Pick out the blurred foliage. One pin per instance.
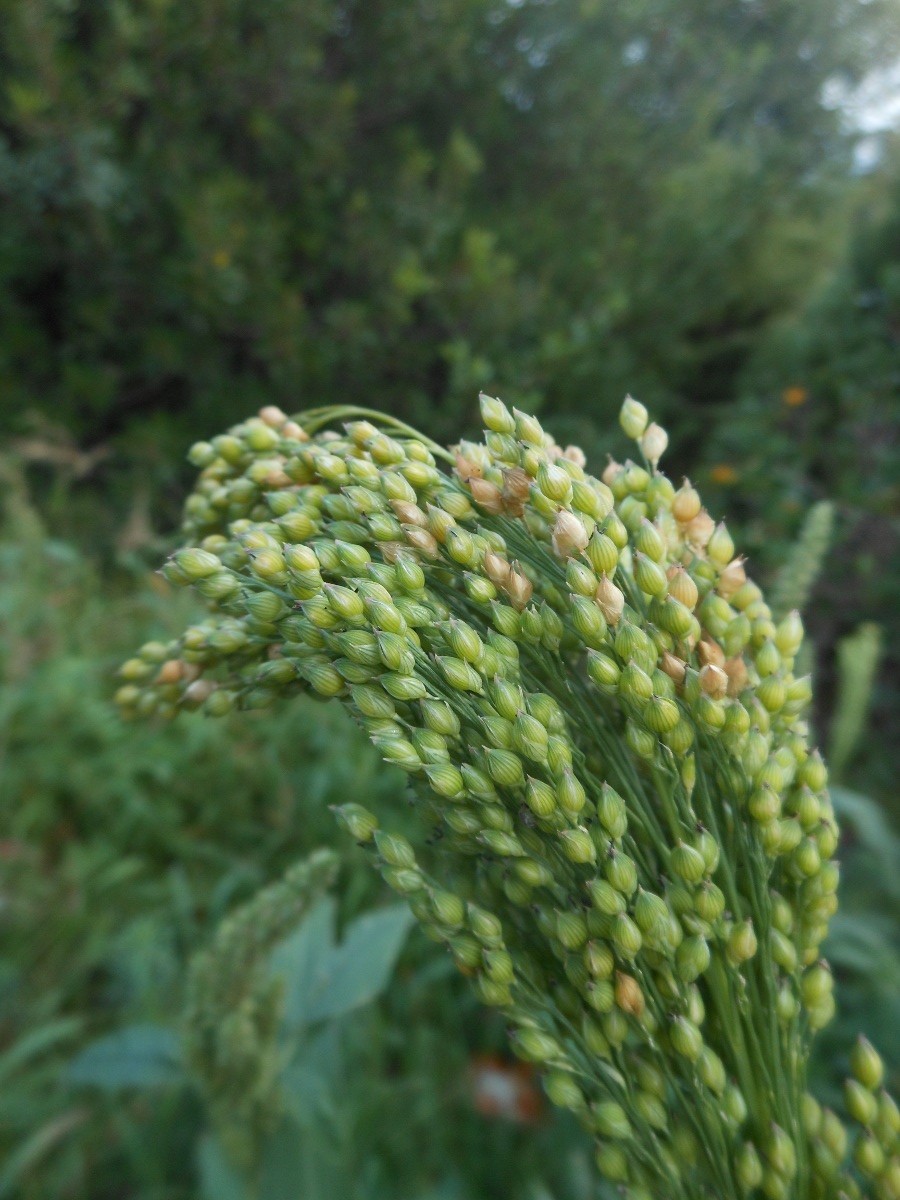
(215, 205)
(818, 418)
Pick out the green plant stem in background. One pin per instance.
(795, 580)
(233, 1009)
(858, 655)
(629, 838)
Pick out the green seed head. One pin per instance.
(403, 687)
(692, 958)
(478, 783)
(530, 737)
(358, 821)
(395, 849)
(866, 1064)
(784, 952)
(626, 936)
(459, 674)
(734, 1105)
(621, 873)
(554, 483)
(440, 717)
(633, 418)
(507, 845)
(603, 672)
(536, 1046)
(588, 620)
(789, 634)
(868, 1155)
(580, 579)
(635, 684)
(712, 1070)
(686, 1039)
(813, 773)
(817, 983)
(599, 959)
(564, 1091)
(650, 911)
(578, 846)
(605, 898)
(709, 902)
(748, 1168)
(496, 415)
(649, 575)
(649, 541)
(504, 767)
(506, 697)
(602, 553)
(687, 863)
(486, 927)
(540, 798)
(661, 715)
(196, 564)
(571, 929)
(742, 943)
(570, 794)
(611, 811)
(781, 1153)
(772, 694)
(446, 780)
(611, 1121)
(612, 1162)
(767, 660)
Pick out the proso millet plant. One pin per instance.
(630, 843)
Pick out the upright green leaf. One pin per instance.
(139, 1056)
(359, 968)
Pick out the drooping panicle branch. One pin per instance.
(631, 848)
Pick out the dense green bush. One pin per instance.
(216, 205)
(818, 416)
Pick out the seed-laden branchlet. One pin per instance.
(630, 844)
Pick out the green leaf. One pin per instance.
(359, 969)
(35, 1042)
(311, 1080)
(302, 1164)
(218, 1179)
(37, 1147)
(303, 960)
(325, 981)
(139, 1056)
(874, 834)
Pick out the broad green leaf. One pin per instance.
(873, 831)
(311, 1080)
(303, 1165)
(35, 1042)
(37, 1147)
(359, 968)
(303, 959)
(218, 1179)
(138, 1056)
(325, 981)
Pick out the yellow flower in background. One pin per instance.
(793, 397)
(724, 473)
(222, 259)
